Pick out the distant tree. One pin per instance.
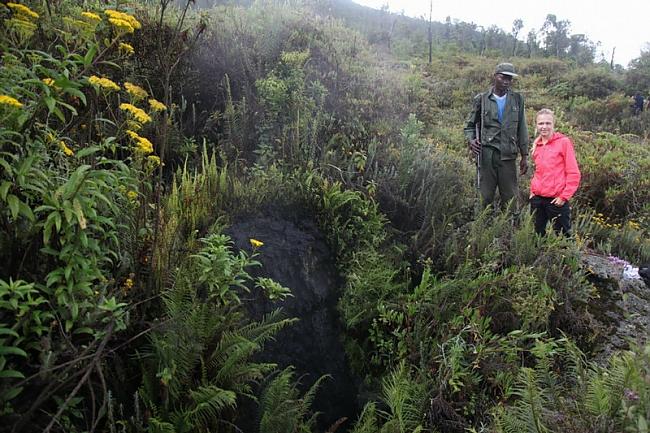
(556, 36)
(466, 36)
(517, 25)
(448, 28)
(494, 38)
(532, 44)
(637, 77)
(581, 49)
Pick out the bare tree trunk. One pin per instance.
(430, 32)
(611, 63)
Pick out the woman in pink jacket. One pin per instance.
(556, 176)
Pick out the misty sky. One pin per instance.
(624, 24)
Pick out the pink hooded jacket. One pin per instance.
(556, 169)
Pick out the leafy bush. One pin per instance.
(200, 362)
(73, 169)
(589, 83)
(551, 69)
(600, 114)
(580, 397)
(614, 175)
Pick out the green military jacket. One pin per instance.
(510, 136)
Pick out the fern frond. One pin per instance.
(404, 397)
(529, 409)
(209, 402)
(156, 426)
(282, 408)
(231, 357)
(367, 422)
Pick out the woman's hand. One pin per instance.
(558, 201)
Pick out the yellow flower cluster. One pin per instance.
(132, 195)
(23, 20)
(128, 284)
(10, 101)
(600, 220)
(121, 21)
(143, 145)
(136, 112)
(121, 25)
(255, 243)
(156, 105)
(136, 92)
(104, 83)
(48, 82)
(23, 11)
(153, 161)
(65, 148)
(126, 49)
(93, 18)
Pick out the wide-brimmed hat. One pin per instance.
(506, 69)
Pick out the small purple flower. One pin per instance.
(617, 260)
(630, 395)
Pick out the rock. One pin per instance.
(297, 257)
(623, 305)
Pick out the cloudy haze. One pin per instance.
(624, 24)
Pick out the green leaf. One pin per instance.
(57, 221)
(83, 238)
(52, 278)
(75, 310)
(58, 113)
(69, 107)
(50, 102)
(75, 180)
(67, 272)
(77, 93)
(7, 167)
(8, 350)
(7, 331)
(11, 393)
(4, 188)
(90, 55)
(11, 374)
(86, 151)
(47, 233)
(26, 211)
(14, 205)
(642, 424)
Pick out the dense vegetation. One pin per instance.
(131, 137)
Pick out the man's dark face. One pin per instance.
(502, 83)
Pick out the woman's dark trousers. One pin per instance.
(544, 212)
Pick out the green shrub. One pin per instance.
(200, 363)
(589, 83)
(580, 397)
(550, 69)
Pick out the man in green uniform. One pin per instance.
(496, 131)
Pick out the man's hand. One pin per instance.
(475, 146)
(523, 166)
